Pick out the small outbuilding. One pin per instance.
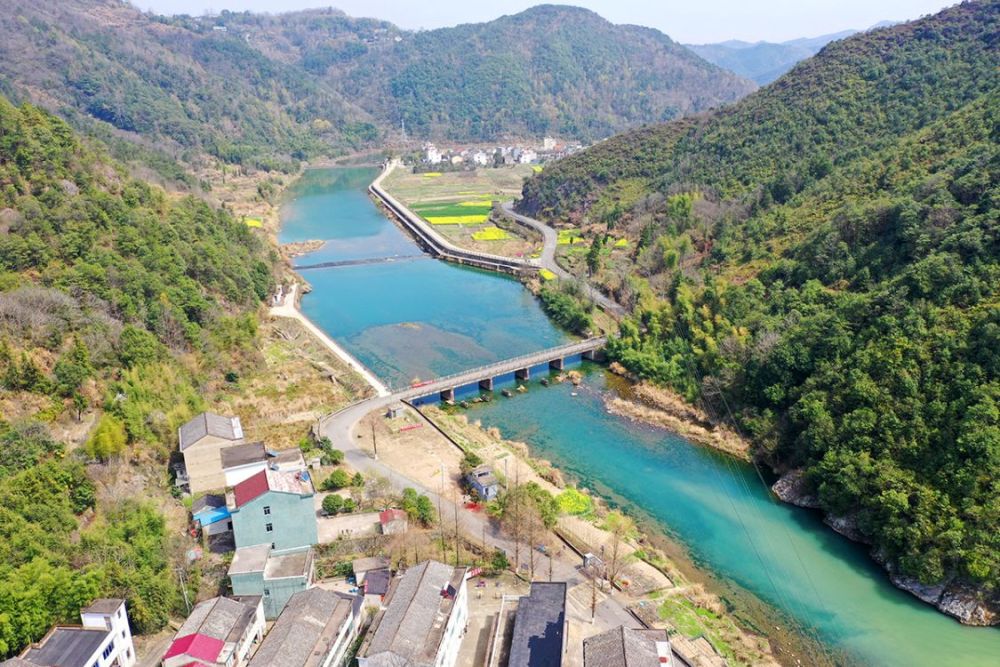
(393, 521)
(483, 482)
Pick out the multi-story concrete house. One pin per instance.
(316, 629)
(257, 570)
(220, 632)
(423, 621)
(103, 639)
(274, 507)
(201, 441)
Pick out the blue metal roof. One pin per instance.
(211, 515)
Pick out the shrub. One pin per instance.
(108, 439)
(333, 504)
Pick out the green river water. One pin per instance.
(416, 318)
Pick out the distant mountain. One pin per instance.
(167, 87)
(820, 263)
(548, 70)
(763, 62)
(266, 91)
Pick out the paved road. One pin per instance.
(550, 242)
(341, 429)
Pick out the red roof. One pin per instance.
(386, 516)
(198, 646)
(250, 488)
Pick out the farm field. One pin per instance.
(460, 205)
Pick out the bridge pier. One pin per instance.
(557, 364)
(448, 395)
(590, 355)
(486, 385)
(523, 374)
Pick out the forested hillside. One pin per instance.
(267, 91)
(529, 74)
(171, 88)
(823, 258)
(115, 302)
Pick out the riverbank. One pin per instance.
(663, 408)
(664, 587)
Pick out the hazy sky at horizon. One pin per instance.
(685, 21)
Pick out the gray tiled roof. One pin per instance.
(241, 455)
(413, 622)
(623, 647)
(66, 647)
(208, 501)
(539, 626)
(17, 662)
(208, 423)
(306, 629)
(221, 618)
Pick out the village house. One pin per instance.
(364, 567)
(274, 507)
(539, 638)
(625, 647)
(393, 521)
(423, 621)
(103, 639)
(219, 632)
(241, 462)
(431, 154)
(259, 571)
(483, 482)
(316, 629)
(201, 441)
(482, 159)
(211, 514)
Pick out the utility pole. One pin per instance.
(593, 594)
(374, 443)
(440, 516)
(456, 526)
(550, 567)
(180, 576)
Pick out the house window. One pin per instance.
(123, 634)
(108, 650)
(267, 510)
(268, 527)
(267, 592)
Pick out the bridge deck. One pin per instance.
(505, 367)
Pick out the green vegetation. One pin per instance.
(418, 507)
(572, 501)
(119, 300)
(829, 272)
(564, 302)
(338, 479)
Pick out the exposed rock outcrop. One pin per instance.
(793, 488)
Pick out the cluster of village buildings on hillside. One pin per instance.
(278, 615)
(498, 156)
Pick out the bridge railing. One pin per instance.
(518, 362)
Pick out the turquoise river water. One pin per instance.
(416, 318)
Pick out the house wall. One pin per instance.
(237, 474)
(118, 631)
(345, 637)
(292, 518)
(274, 593)
(204, 463)
(253, 636)
(452, 640)
(224, 526)
(277, 592)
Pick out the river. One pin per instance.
(418, 317)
